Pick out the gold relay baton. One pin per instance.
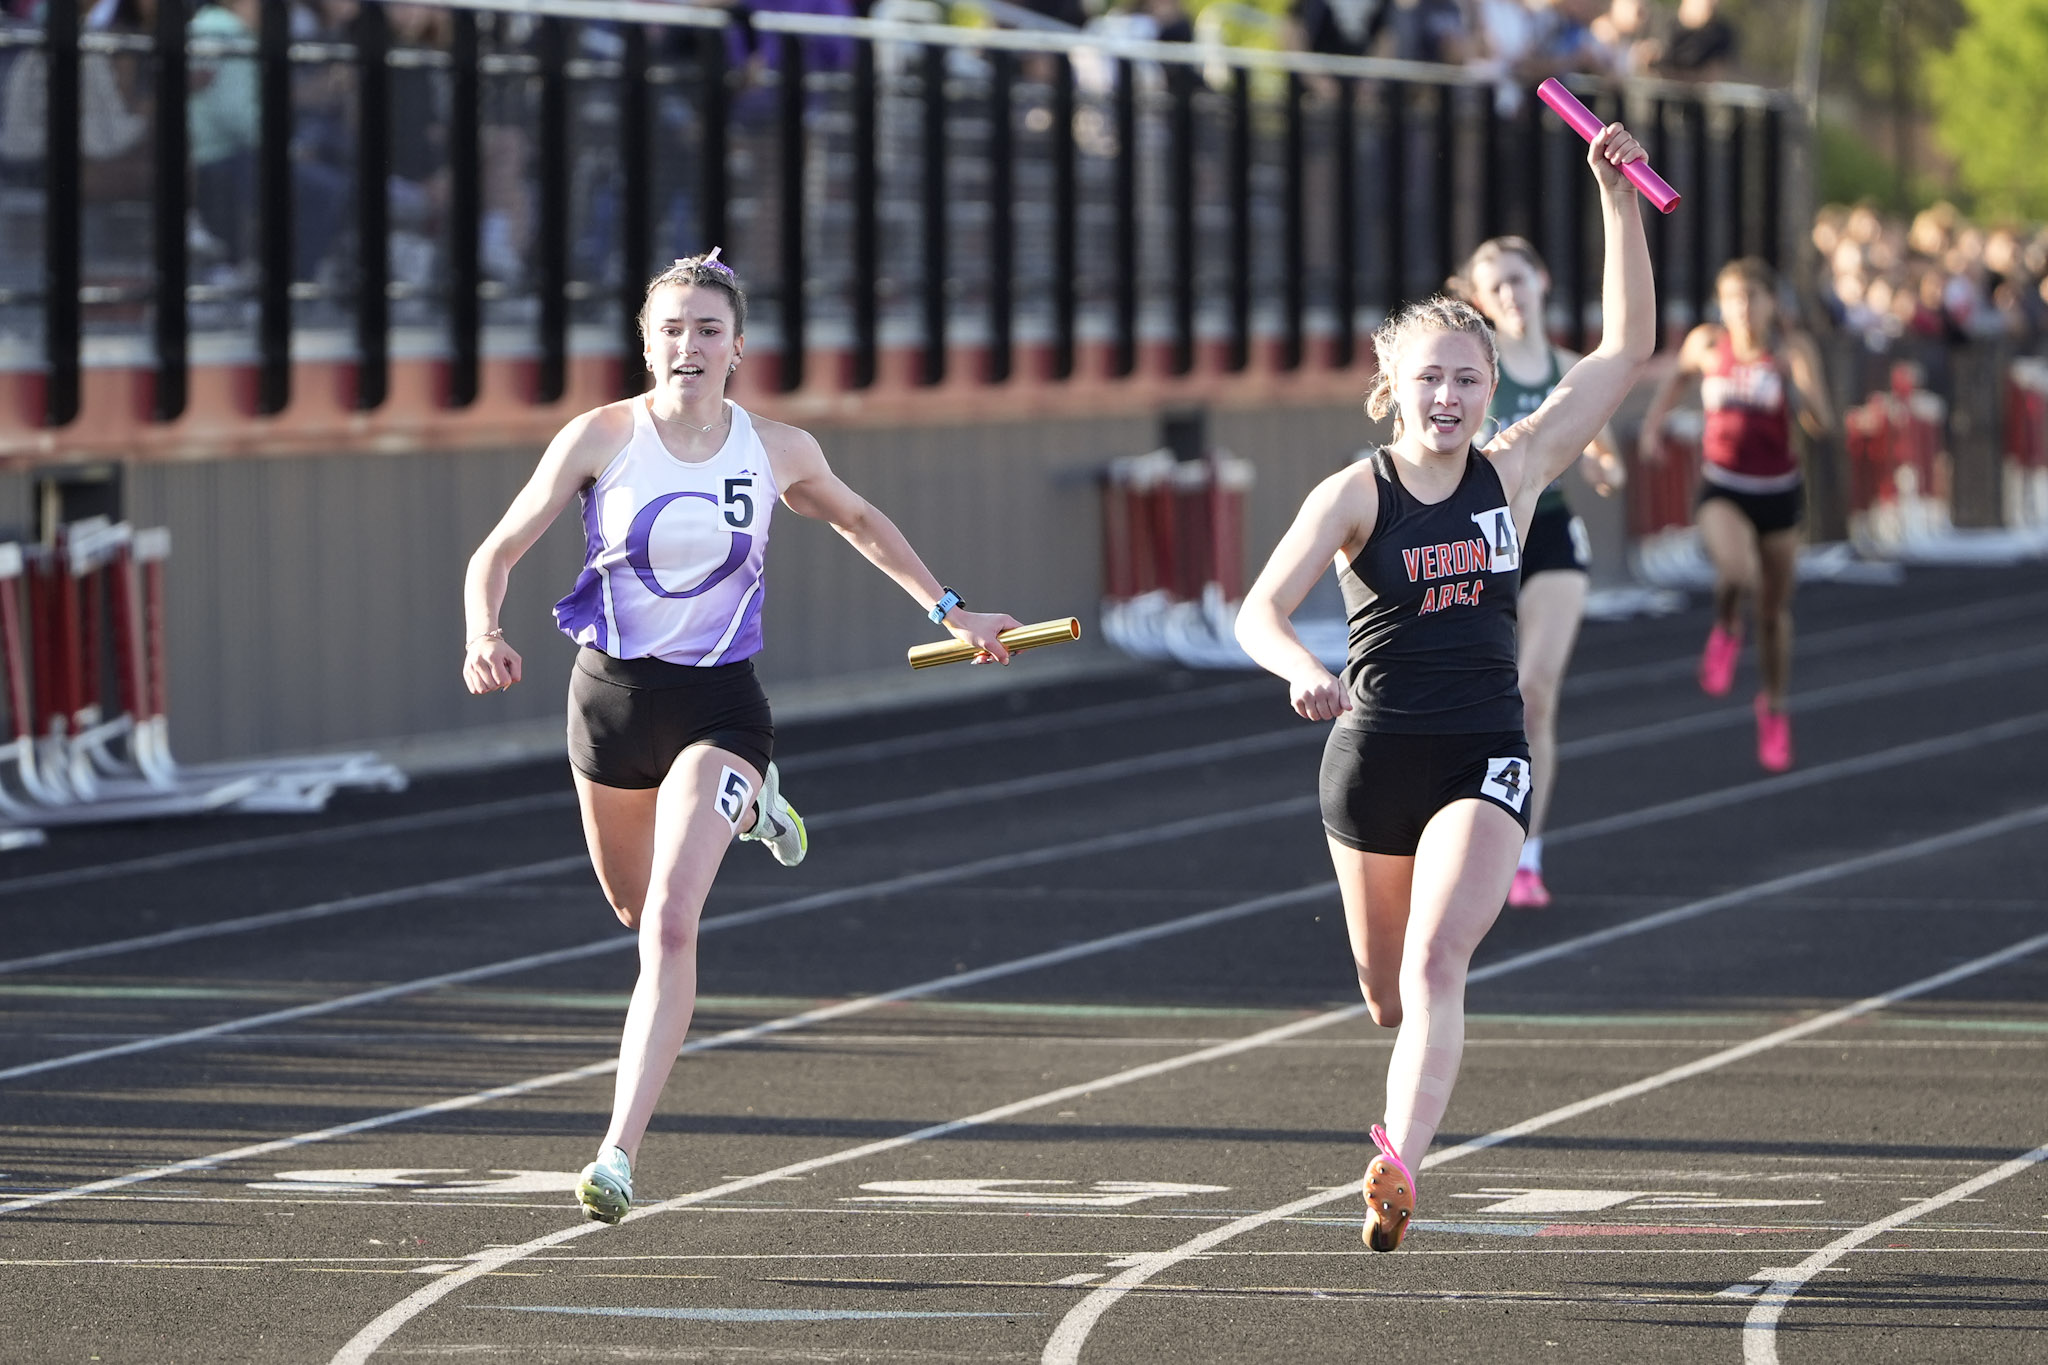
(1015, 638)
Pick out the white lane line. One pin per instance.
(1805, 703)
(1064, 1348)
(1003, 789)
(1263, 742)
(820, 761)
(2002, 611)
(360, 1347)
(621, 942)
(1919, 750)
(1584, 683)
(1760, 1330)
(378, 1331)
(1632, 820)
(823, 1014)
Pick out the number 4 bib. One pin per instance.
(1497, 528)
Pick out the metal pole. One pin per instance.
(935, 225)
(1294, 243)
(866, 241)
(63, 323)
(1344, 291)
(373, 209)
(173, 203)
(1124, 231)
(552, 239)
(636, 206)
(274, 206)
(792, 216)
(465, 212)
(1002, 196)
(1065, 249)
(1181, 90)
(1240, 217)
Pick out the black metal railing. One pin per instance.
(502, 178)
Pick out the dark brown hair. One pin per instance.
(701, 270)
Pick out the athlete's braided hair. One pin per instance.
(1434, 314)
(701, 270)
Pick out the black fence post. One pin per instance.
(936, 265)
(1444, 146)
(636, 206)
(465, 213)
(1344, 288)
(1490, 167)
(791, 223)
(1065, 247)
(1658, 145)
(866, 241)
(551, 244)
(1180, 86)
(1697, 228)
(1240, 172)
(1736, 154)
(63, 323)
(172, 203)
(373, 209)
(1124, 229)
(1002, 228)
(1773, 186)
(1394, 192)
(274, 209)
(1293, 233)
(712, 188)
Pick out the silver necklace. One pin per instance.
(723, 417)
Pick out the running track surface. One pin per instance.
(1764, 1084)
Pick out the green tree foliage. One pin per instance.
(1991, 104)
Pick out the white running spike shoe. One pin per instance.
(777, 824)
(606, 1187)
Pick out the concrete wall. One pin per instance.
(315, 601)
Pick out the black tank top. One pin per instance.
(1431, 602)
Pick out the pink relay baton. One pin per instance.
(1587, 125)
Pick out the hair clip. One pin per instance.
(708, 261)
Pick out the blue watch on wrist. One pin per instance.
(948, 599)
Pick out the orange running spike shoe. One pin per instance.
(1389, 1196)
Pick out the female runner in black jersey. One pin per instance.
(1425, 780)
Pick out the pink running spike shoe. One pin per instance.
(1773, 736)
(1389, 1196)
(1717, 661)
(1528, 891)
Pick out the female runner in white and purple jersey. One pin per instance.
(670, 736)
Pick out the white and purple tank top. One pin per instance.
(672, 568)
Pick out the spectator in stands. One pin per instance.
(1344, 28)
(1627, 37)
(1427, 31)
(1703, 47)
(224, 119)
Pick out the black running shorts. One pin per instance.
(630, 718)
(1556, 541)
(1378, 790)
(1767, 512)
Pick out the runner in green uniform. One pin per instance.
(1506, 280)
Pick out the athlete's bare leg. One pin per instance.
(1730, 542)
(1779, 575)
(1375, 887)
(1462, 869)
(686, 838)
(1548, 610)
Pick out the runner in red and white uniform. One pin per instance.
(1756, 374)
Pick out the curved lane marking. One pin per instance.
(1760, 1330)
(1064, 1347)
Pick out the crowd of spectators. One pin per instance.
(1934, 276)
